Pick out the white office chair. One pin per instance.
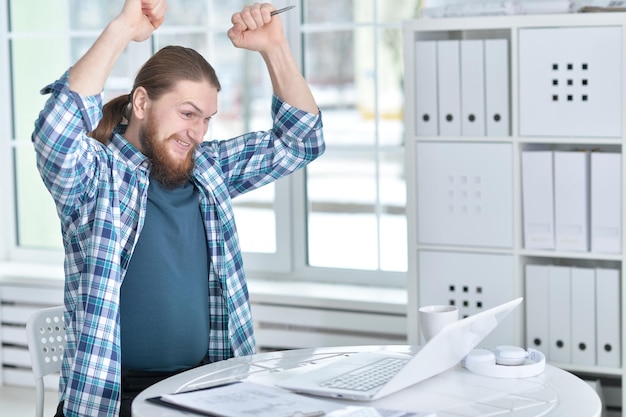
(45, 331)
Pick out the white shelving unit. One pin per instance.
(558, 83)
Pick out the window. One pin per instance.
(343, 214)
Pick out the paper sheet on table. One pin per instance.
(249, 399)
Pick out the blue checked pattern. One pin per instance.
(100, 194)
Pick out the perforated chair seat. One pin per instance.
(45, 331)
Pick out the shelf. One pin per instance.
(564, 91)
(571, 255)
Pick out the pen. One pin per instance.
(284, 9)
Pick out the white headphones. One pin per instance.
(505, 362)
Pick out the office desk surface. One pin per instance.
(454, 393)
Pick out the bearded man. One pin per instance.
(154, 280)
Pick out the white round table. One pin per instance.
(454, 393)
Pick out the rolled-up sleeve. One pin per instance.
(65, 154)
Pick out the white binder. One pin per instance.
(559, 314)
(571, 200)
(538, 199)
(472, 88)
(426, 114)
(608, 318)
(449, 85)
(497, 87)
(536, 307)
(606, 202)
(583, 316)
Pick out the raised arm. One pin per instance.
(256, 30)
(136, 22)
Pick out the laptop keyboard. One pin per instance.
(367, 377)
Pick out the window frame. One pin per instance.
(7, 210)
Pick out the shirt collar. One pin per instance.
(128, 151)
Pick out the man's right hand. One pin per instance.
(143, 17)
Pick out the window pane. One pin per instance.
(345, 96)
(396, 11)
(48, 16)
(186, 13)
(342, 224)
(256, 220)
(357, 211)
(37, 223)
(366, 76)
(335, 11)
(93, 14)
(390, 95)
(29, 79)
(221, 11)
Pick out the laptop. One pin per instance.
(441, 353)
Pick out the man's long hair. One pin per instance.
(158, 76)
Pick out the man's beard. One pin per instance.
(170, 172)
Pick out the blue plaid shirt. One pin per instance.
(100, 194)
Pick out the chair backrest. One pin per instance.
(46, 340)
(45, 332)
